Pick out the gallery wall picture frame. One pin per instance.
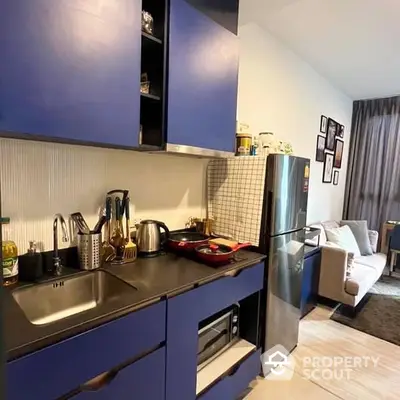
(332, 127)
(328, 168)
(323, 124)
(340, 132)
(319, 154)
(339, 145)
(336, 178)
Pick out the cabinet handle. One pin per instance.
(99, 381)
(234, 370)
(234, 273)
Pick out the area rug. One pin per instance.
(380, 314)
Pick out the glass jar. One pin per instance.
(266, 143)
(147, 22)
(9, 255)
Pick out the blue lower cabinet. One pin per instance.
(235, 383)
(55, 370)
(144, 379)
(184, 314)
(310, 282)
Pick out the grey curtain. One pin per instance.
(373, 176)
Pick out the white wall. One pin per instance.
(39, 180)
(280, 93)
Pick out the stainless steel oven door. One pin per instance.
(215, 338)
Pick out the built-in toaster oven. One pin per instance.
(216, 334)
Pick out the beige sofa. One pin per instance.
(335, 282)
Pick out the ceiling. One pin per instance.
(353, 43)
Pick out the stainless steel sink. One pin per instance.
(52, 301)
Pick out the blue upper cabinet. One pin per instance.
(70, 69)
(203, 75)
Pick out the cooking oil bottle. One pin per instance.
(9, 255)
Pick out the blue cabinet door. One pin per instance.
(203, 79)
(70, 69)
(144, 379)
(236, 382)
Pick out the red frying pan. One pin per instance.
(186, 241)
(218, 254)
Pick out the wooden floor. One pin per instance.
(319, 337)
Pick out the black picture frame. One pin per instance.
(320, 149)
(340, 132)
(339, 145)
(331, 131)
(336, 178)
(328, 168)
(323, 124)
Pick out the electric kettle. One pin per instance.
(148, 237)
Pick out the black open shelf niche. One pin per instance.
(153, 63)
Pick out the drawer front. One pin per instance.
(65, 365)
(233, 385)
(144, 379)
(228, 290)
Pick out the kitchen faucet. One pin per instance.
(57, 267)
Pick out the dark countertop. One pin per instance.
(155, 278)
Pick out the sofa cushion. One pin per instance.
(373, 239)
(330, 224)
(361, 280)
(376, 261)
(360, 232)
(344, 238)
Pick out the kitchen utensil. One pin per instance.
(89, 250)
(80, 223)
(100, 223)
(124, 194)
(108, 251)
(218, 254)
(130, 251)
(186, 240)
(117, 239)
(148, 237)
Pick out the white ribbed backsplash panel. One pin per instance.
(39, 180)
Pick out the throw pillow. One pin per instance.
(330, 224)
(344, 238)
(350, 264)
(360, 232)
(373, 239)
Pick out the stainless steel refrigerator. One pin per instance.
(282, 239)
(264, 201)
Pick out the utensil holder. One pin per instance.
(89, 251)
